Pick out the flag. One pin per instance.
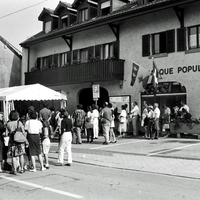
(155, 75)
(135, 68)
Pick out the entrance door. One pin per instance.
(86, 98)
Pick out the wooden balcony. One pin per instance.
(103, 70)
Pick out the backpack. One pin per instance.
(79, 118)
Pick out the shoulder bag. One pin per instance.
(19, 137)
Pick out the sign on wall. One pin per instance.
(95, 91)
(118, 101)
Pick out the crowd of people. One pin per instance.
(38, 128)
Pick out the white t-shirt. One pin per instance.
(157, 113)
(33, 126)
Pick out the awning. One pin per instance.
(34, 92)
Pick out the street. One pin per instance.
(95, 175)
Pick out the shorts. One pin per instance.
(157, 125)
(46, 145)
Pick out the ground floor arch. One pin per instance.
(85, 97)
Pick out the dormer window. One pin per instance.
(64, 21)
(83, 15)
(47, 26)
(105, 8)
(54, 22)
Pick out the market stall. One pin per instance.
(34, 92)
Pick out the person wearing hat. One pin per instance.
(150, 125)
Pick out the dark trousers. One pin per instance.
(90, 134)
(5, 152)
(150, 129)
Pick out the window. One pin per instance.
(105, 8)
(163, 42)
(194, 37)
(83, 15)
(83, 55)
(47, 26)
(64, 21)
(63, 59)
(159, 43)
(107, 51)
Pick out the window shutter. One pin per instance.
(75, 54)
(181, 39)
(145, 45)
(98, 51)
(69, 53)
(170, 41)
(116, 49)
(38, 63)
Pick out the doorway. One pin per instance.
(86, 97)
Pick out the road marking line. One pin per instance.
(173, 149)
(113, 145)
(43, 187)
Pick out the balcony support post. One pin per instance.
(180, 14)
(68, 40)
(115, 30)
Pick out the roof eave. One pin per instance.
(107, 19)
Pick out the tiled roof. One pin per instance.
(131, 7)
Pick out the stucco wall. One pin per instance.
(10, 67)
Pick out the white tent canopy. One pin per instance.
(34, 92)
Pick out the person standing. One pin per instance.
(150, 122)
(95, 121)
(65, 140)
(17, 150)
(122, 122)
(112, 125)
(89, 124)
(45, 113)
(34, 129)
(78, 120)
(156, 120)
(46, 143)
(106, 117)
(166, 120)
(134, 117)
(144, 121)
(2, 130)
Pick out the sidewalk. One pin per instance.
(103, 156)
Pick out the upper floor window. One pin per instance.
(47, 26)
(163, 42)
(83, 15)
(84, 55)
(107, 50)
(64, 21)
(194, 37)
(105, 8)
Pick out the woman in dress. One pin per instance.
(122, 122)
(17, 150)
(34, 129)
(112, 125)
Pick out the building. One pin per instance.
(95, 43)
(10, 64)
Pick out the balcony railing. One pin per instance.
(103, 70)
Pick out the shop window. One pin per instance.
(194, 37)
(83, 15)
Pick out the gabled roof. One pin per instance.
(76, 2)
(62, 5)
(127, 11)
(11, 47)
(45, 11)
